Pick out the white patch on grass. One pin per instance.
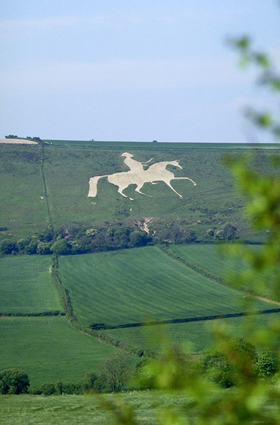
(18, 141)
(138, 176)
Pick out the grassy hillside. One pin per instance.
(68, 170)
(23, 211)
(64, 168)
(25, 285)
(48, 349)
(134, 285)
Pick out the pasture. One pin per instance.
(135, 285)
(48, 349)
(26, 286)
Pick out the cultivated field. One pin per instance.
(48, 349)
(26, 286)
(135, 285)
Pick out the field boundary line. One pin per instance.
(193, 319)
(169, 251)
(45, 188)
(41, 314)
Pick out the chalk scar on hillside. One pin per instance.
(18, 141)
(139, 176)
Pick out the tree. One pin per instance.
(13, 381)
(47, 389)
(267, 364)
(138, 238)
(115, 370)
(7, 246)
(60, 247)
(90, 382)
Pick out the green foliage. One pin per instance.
(60, 247)
(47, 389)
(13, 381)
(267, 364)
(115, 371)
(90, 382)
(44, 248)
(7, 247)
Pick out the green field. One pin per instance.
(139, 284)
(84, 410)
(26, 286)
(88, 410)
(197, 336)
(48, 349)
(210, 257)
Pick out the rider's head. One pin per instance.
(129, 155)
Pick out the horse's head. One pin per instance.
(176, 164)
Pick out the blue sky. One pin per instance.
(131, 69)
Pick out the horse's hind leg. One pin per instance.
(139, 191)
(120, 190)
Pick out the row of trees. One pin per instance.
(117, 370)
(79, 239)
(114, 374)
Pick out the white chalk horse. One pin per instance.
(138, 176)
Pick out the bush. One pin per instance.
(47, 389)
(267, 364)
(60, 247)
(7, 246)
(44, 248)
(13, 381)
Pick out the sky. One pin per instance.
(132, 70)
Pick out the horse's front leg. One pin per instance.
(169, 184)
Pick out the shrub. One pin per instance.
(47, 389)
(7, 246)
(60, 247)
(267, 364)
(13, 381)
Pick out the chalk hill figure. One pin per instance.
(138, 176)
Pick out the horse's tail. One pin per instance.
(93, 186)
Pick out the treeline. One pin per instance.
(33, 139)
(117, 372)
(80, 239)
(41, 314)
